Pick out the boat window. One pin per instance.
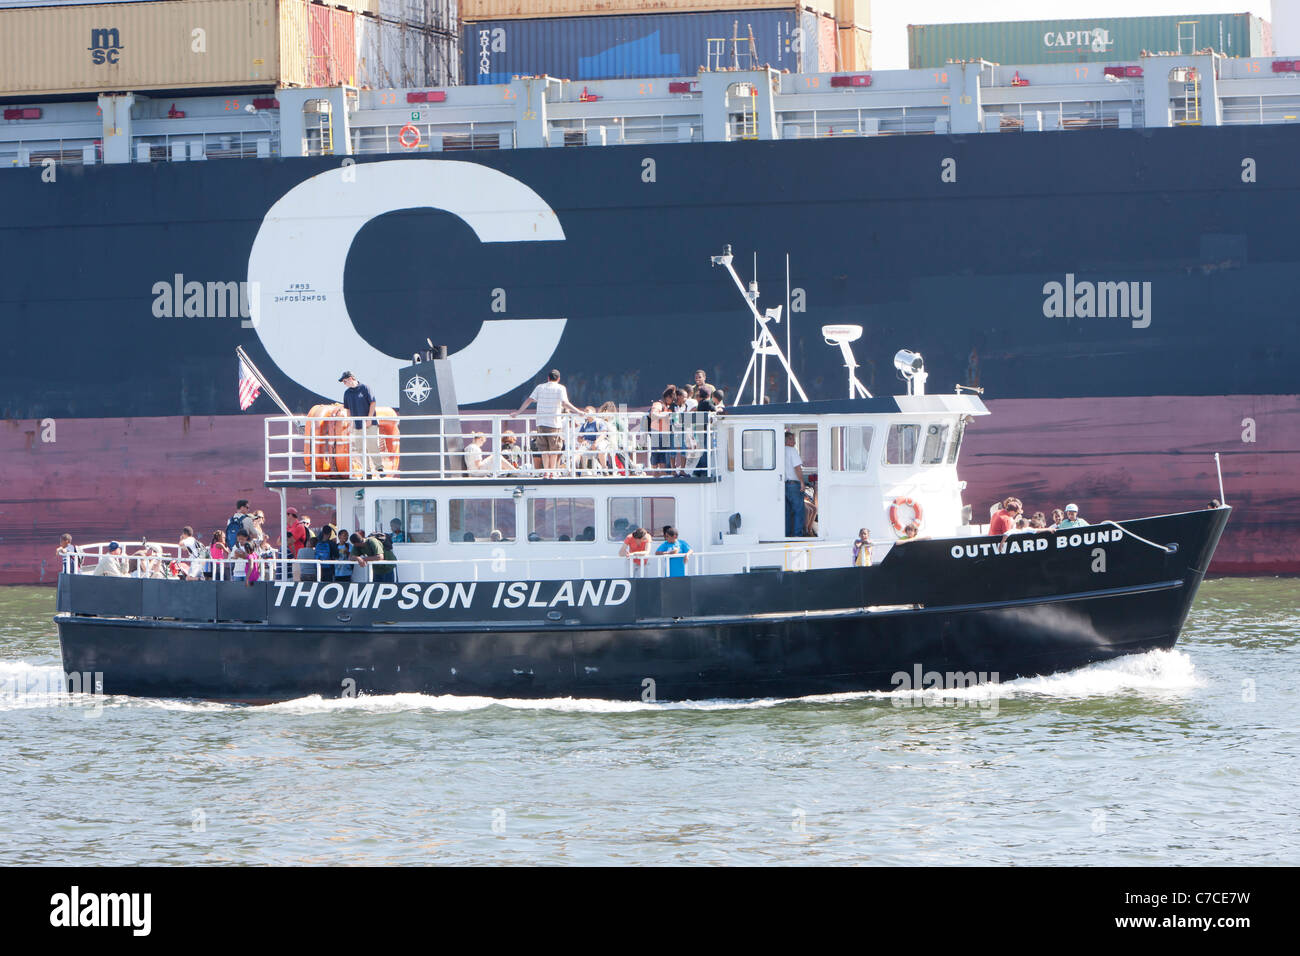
(416, 519)
(850, 446)
(936, 437)
(481, 519)
(561, 519)
(807, 442)
(958, 434)
(628, 514)
(758, 449)
(900, 449)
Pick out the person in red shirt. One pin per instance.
(297, 532)
(1005, 520)
(638, 542)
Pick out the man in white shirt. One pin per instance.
(113, 564)
(476, 462)
(552, 399)
(793, 489)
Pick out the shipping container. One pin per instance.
(391, 55)
(438, 15)
(476, 11)
(174, 45)
(401, 55)
(595, 48)
(1103, 39)
(820, 43)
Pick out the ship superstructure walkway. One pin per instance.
(718, 106)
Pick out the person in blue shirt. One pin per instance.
(360, 403)
(674, 545)
(1072, 519)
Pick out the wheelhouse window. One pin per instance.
(807, 442)
(936, 438)
(628, 514)
(758, 449)
(958, 433)
(561, 519)
(900, 447)
(481, 519)
(850, 446)
(408, 520)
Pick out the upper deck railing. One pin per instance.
(474, 447)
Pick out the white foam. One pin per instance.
(1155, 672)
(23, 684)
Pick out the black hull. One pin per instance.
(791, 658)
(1138, 604)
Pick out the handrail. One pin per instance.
(634, 564)
(614, 445)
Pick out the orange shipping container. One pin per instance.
(169, 45)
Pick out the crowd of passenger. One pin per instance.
(244, 552)
(1011, 518)
(671, 438)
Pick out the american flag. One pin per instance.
(248, 387)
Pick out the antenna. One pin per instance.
(789, 316)
(842, 335)
(764, 343)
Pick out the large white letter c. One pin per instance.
(303, 247)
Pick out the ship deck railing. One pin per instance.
(793, 555)
(970, 97)
(430, 449)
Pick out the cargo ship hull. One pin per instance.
(1124, 297)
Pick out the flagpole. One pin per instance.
(261, 379)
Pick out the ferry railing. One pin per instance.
(795, 556)
(440, 448)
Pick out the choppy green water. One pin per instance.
(1186, 757)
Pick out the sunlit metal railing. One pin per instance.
(515, 564)
(437, 448)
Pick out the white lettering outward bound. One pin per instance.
(1027, 543)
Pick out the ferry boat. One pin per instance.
(508, 580)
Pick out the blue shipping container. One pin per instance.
(612, 47)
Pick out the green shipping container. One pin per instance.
(1105, 39)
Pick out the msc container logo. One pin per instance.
(1098, 38)
(489, 42)
(105, 45)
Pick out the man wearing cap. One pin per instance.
(113, 565)
(365, 426)
(1072, 519)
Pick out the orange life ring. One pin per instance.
(904, 502)
(326, 446)
(390, 439)
(414, 136)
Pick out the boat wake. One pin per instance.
(26, 685)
